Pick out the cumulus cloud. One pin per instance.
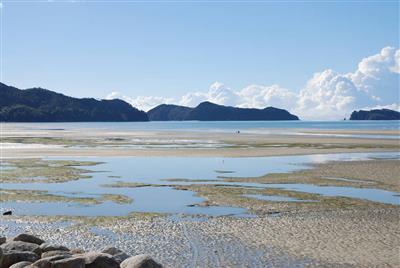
(262, 96)
(378, 75)
(141, 102)
(327, 94)
(330, 95)
(217, 93)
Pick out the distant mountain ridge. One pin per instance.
(207, 111)
(41, 105)
(168, 112)
(376, 114)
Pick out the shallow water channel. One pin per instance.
(166, 171)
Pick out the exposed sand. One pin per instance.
(101, 142)
(336, 232)
(351, 238)
(371, 173)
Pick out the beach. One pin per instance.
(310, 227)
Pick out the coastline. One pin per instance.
(329, 231)
(101, 142)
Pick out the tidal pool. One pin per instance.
(159, 196)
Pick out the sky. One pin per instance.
(320, 60)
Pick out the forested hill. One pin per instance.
(207, 111)
(41, 105)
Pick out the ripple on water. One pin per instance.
(167, 199)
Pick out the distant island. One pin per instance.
(377, 114)
(207, 111)
(41, 105)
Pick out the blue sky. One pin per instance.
(170, 49)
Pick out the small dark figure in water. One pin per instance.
(9, 212)
(238, 132)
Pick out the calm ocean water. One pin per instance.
(221, 126)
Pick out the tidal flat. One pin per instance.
(335, 203)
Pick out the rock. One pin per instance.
(117, 254)
(98, 260)
(9, 212)
(140, 261)
(28, 238)
(73, 262)
(48, 247)
(2, 240)
(56, 253)
(76, 251)
(48, 262)
(120, 257)
(21, 246)
(21, 264)
(11, 257)
(111, 250)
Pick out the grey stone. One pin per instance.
(48, 262)
(120, 257)
(73, 262)
(11, 257)
(21, 264)
(21, 246)
(76, 251)
(56, 253)
(117, 254)
(140, 261)
(2, 240)
(98, 260)
(111, 250)
(49, 247)
(28, 238)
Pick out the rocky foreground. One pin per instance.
(25, 250)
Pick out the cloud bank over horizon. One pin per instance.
(327, 95)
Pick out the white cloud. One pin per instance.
(378, 75)
(217, 93)
(141, 102)
(327, 95)
(330, 95)
(262, 96)
(393, 106)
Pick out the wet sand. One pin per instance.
(349, 238)
(101, 142)
(331, 234)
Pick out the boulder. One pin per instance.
(28, 238)
(73, 262)
(111, 250)
(21, 246)
(56, 253)
(11, 257)
(120, 257)
(48, 261)
(98, 260)
(76, 251)
(21, 264)
(140, 261)
(117, 254)
(49, 247)
(2, 240)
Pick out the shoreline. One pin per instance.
(93, 142)
(329, 231)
